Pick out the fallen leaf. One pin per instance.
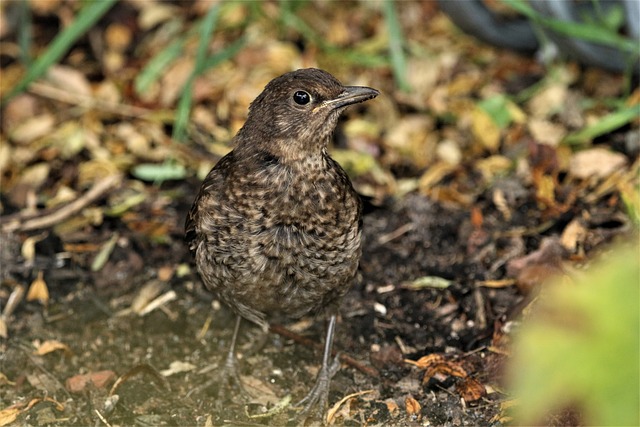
(336, 407)
(412, 406)
(545, 132)
(485, 130)
(99, 380)
(470, 389)
(573, 236)
(32, 128)
(38, 290)
(8, 415)
(597, 161)
(50, 346)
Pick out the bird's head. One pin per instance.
(297, 112)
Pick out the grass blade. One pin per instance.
(61, 44)
(398, 60)
(605, 125)
(184, 105)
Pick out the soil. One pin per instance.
(384, 322)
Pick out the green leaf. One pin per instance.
(581, 346)
(498, 109)
(159, 172)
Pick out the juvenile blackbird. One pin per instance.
(275, 229)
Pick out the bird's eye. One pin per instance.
(301, 97)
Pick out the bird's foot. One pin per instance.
(314, 405)
(225, 382)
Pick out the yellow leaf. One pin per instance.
(38, 290)
(50, 346)
(485, 129)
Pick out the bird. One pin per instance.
(276, 227)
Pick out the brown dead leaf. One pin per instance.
(573, 236)
(434, 174)
(32, 128)
(493, 166)
(69, 79)
(100, 379)
(549, 100)
(435, 364)
(38, 290)
(333, 411)
(470, 389)
(597, 161)
(8, 415)
(412, 406)
(545, 132)
(50, 346)
(392, 407)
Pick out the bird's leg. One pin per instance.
(315, 403)
(229, 374)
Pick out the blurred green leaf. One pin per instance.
(105, 252)
(88, 15)
(498, 109)
(184, 104)
(606, 124)
(581, 347)
(159, 172)
(396, 43)
(433, 282)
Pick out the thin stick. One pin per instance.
(45, 219)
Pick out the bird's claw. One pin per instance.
(314, 404)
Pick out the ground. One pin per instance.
(478, 186)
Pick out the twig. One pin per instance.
(45, 219)
(284, 332)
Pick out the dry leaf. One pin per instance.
(8, 416)
(573, 236)
(32, 128)
(470, 390)
(38, 290)
(412, 406)
(100, 379)
(69, 79)
(339, 404)
(485, 130)
(392, 407)
(50, 346)
(548, 101)
(598, 162)
(546, 132)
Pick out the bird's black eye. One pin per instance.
(301, 97)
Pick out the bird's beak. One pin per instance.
(351, 95)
